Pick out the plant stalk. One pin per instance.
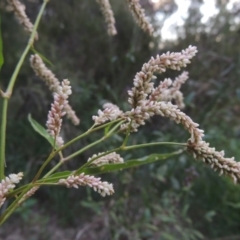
(9, 90)
(91, 130)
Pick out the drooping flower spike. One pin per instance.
(19, 11)
(108, 15)
(52, 82)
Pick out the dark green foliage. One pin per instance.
(176, 199)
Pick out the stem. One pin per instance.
(110, 133)
(152, 144)
(13, 206)
(30, 42)
(3, 137)
(78, 171)
(16, 191)
(124, 148)
(83, 149)
(54, 169)
(127, 135)
(52, 154)
(8, 93)
(91, 130)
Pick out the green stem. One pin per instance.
(110, 133)
(91, 130)
(43, 166)
(13, 206)
(22, 188)
(16, 191)
(54, 169)
(127, 135)
(8, 93)
(3, 137)
(152, 144)
(78, 171)
(84, 149)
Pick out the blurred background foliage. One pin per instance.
(177, 198)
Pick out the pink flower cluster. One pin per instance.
(216, 160)
(53, 83)
(56, 113)
(106, 159)
(108, 15)
(142, 81)
(110, 112)
(19, 11)
(169, 90)
(28, 194)
(139, 15)
(147, 101)
(8, 184)
(103, 188)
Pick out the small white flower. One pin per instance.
(103, 188)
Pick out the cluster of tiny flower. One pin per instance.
(56, 113)
(108, 15)
(159, 92)
(137, 11)
(52, 82)
(145, 99)
(103, 188)
(216, 160)
(142, 80)
(7, 184)
(28, 194)
(169, 90)
(44, 73)
(106, 159)
(140, 114)
(148, 101)
(19, 11)
(139, 15)
(111, 112)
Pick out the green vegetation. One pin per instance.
(176, 198)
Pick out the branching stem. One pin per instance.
(8, 93)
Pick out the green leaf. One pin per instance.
(108, 128)
(1, 47)
(42, 57)
(40, 129)
(128, 164)
(167, 236)
(109, 167)
(234, 205)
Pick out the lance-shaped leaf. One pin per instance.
(110, 167)
(40, 129)
(128, 164)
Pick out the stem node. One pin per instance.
(6, 95)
